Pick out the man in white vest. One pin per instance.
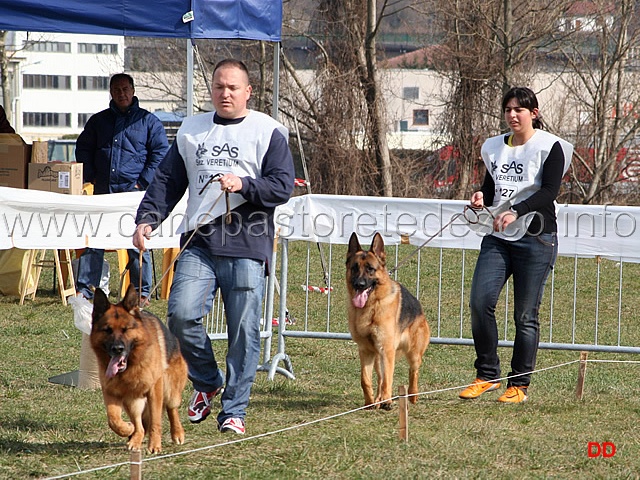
(247, 153)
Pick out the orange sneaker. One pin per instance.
(478, 387)
(514, 395)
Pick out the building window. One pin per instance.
(51, 82)
(93, 83)
(99, 48)
(83, 118)
(46, 119)
(410, 93)
(421, 117)
(59, 47)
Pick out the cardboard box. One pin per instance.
(39, 152)
(60, 177)
(14, 157)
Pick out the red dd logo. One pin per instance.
(604, 449)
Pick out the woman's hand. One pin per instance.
(503, 220)
(477, 200)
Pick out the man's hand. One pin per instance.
(143, 231)
(230, 183)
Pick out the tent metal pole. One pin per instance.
(276, 79)
(189, 78)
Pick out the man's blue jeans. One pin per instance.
(90, 271)
(529, 260)
(241, 282)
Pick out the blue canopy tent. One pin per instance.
(192, 19)
(243, 19)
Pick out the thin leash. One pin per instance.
(471, 219)
(195, 230)
(212, 179)
(140, 279)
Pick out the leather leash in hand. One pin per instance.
(212, 179)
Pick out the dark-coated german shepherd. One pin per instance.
(384, 318)
(141, 369)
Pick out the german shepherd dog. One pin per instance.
(141, 369)
(384, 318)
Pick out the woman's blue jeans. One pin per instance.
(241, 282)
(529, 260)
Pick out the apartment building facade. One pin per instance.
(58, 81)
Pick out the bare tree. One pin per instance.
(602, 87)
(375, 106)
(489, 46)
(342, 113)
(160, 66)
(7, 54)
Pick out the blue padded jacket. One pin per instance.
(119, 150)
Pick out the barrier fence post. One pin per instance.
(403, 431)
(582, 372)
(136, 465)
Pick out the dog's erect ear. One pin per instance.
(377, 247)
(100, 304)
(130, 300)
(354, 245)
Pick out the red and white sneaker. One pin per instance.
(235, 425)
(200, 405)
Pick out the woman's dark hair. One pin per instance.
(526, 99)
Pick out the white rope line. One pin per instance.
(613, 361)
(209, 447)
(82, 472)
(266, 434)
(330, 417)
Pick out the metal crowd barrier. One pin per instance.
(589, 302)
(595, 312)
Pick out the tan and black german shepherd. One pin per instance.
(384, 318)
(141, 369)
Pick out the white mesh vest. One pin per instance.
(208, 148)
(517, 173)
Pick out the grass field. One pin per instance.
(50, 430)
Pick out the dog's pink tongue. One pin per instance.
(360, 299)
(114, 366)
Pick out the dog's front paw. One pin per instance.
(178, 437)
(154, 447)
(134, 446)
(135, 441)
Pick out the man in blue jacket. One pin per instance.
(247, 152)
(120, 149)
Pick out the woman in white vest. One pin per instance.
(524, 171)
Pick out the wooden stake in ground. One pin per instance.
(582, 372)
(136, 465)
(403, 407)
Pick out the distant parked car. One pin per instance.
(62, 151)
